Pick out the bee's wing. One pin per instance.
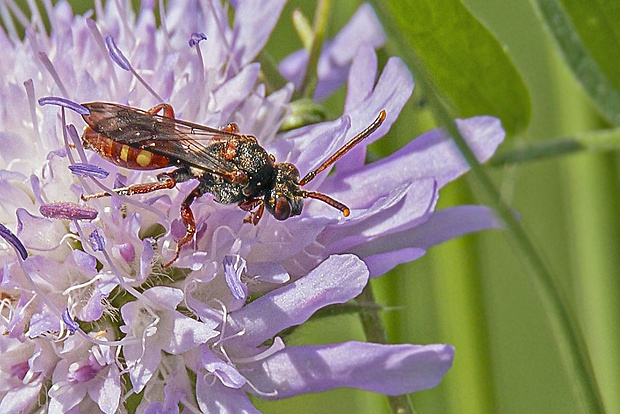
(173, 138)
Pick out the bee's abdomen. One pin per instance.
(123, 155)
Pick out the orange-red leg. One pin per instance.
(167, 108)
(188, 220)
(164, 180)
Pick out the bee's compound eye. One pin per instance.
(282, 210)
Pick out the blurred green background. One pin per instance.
(475, 292)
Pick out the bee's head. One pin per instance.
(284, 200)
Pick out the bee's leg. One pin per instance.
(249, 205)
(167, 108)
(232, 128)
(188, 220)
(164, 180)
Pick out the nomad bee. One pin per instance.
(230, 165)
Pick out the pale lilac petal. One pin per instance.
(385, 369)
(187, 333)
(233, 269)
(164, 296)
(362, 75)
(145, 258)
(214, 397)
(142, 365)
(360, 84)
(39, 233)
(432, 155)
(363, 29)
(406, 206)
(269, 272)
(65, 395)
(225, 372)
(93, 309)
(288, 238)
(43, 321)
(391, 92)
(107, 395)
(336, 280)
(442, 225)
(17, 400)
(230, 96)
(380, 264)
(254, 21)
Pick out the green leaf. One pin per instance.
(467, 64)
(588, 37)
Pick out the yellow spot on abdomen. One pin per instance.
(124, 152)
(144, 158)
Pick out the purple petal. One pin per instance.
(269, 272)
(385, 369)
(18, 400)
(233, 92)
(108, 394)
(441, 226)
(12, 239)
(362, 75)
(225, 372)
(42, 322)
(431, 155)
(68, 211)
(93, 309)
(363, 29)
(146, 258)
(390, 94)
(254, 21)
(65, 103)
(39, 233)
(116, 54)
(404, 207)
(380, 264)
(88, 170)
(188, 333)
(167, 297)
(336, 280)
(214, 397)
(196, 38)
(360, 84)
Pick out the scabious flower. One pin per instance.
(89, 316)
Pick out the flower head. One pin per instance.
(86, 304)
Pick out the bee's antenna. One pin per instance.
(326, 199)
(345, 148)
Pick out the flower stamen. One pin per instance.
(119, 58)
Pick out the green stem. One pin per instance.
(321, 18)
(375, 332)
(601, 140)
(563, 323)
